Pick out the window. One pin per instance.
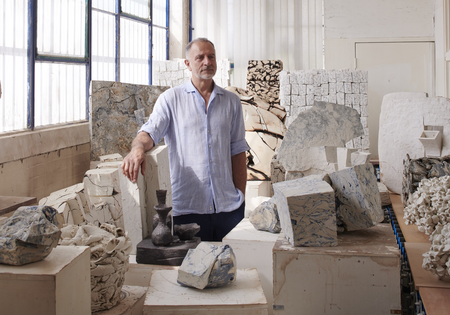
(51, 49)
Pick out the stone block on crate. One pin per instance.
(306, 208)
(358, 202)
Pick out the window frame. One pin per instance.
(33, 57)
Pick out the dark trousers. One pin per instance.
(213, 227)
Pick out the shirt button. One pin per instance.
(210, 161)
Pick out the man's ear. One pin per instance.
(186, 62)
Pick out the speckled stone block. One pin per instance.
(306, 207)
(358, 202)
(114, 112)
(208, 266)
(265, 217)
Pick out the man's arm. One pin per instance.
(239, 169)
(136, 158)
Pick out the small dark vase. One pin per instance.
(161, 235)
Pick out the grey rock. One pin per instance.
(186, 231)
(265, 217)
(29, 235)
(208, 266)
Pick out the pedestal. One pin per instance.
(253, 249)
(166, 296)
(171, 255)
(359, 276)
(59, 284)
(131, 302)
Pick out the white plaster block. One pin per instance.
(111, 157)
(171, 65)
(284, 78)
(310, 89)
(302, 89)
(285, 90)
(364, 122)
(359, 205)
(298, 100)
(364, 100)
(356, 76)
(332, 98)
(306, 208)
(364, 111)
(324, 89)
(355, 88)
(318, 98)
(59, 284)
(348, 99)
(347, 76)
(317, 80)
(135, 214)
(340, 87)
(293, 78)
(309, 77)
(157, 177)
(113, 165)
(339, 76)
(364, 76)
(324, 77)
(324, 98)
(101, 182)
(363, 88)
(332, 88)
(318, 91)
(347, 88)
(332, 76)
(70, 202)
(359, 158)
(310, 99)
(356, 99)
(344, 157)
(295, 89)
(340, 98)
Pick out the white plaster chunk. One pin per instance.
(344, 157)
(360, 158)
(340, 87)
(310, 89)
(310, 99)
(358, 202)
(340, 98)
(295, 89)
(265, 217)
(332, 98)
(298, 100)
(437, 259)
(111, 157)
(348, 99)
(347, 76)
(114, 164)
(306, 208)
(399, 134)
(325, 124)
(68, 203)
(324, 89)
(347, 88)
(208, 266)
(107, 209)
(101, 182)
(302, 89)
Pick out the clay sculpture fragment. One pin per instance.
(29, 235)
(208, 266)
(265, 217)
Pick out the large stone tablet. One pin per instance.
(402, 122)
(323, 125)
(306, 207)
(358, 202)
(117, 110)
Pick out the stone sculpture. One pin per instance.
(429, 206)
(29, 235)
(437, 259)
(208, 266)
(310, 144)
(162, 235)
(358, 202)
(265, 217)
(416, 170)
(306, 207)
(110, 249)
(399, 133)
(186, 232)
(117, 110)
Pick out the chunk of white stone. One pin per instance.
(101, 182)
(111, 157)
(306, 208)
(358, 203)
(265, 217)
(344, 157)
(207, 266)
(360, 158)
(114, 164)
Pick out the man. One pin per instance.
(203, 126)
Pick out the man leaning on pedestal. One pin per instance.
(203, 126)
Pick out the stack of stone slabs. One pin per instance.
(117, 111)
(263, 78)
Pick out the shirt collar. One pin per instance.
(191, 88)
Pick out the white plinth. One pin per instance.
(359, 276)
(245, 296)
(253, 249)
(59, 284)
(140, 274)
(131, 302)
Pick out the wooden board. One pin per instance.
(422, 277)
(410, 232)
(436, 301)
(11, 203)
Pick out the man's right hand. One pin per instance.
(136, 158)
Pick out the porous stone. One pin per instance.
(306, 208)
(265, 217)
(358, 202)
(29, 235)
(437, 259)
(325, 124)
(208, 266)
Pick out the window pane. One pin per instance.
(61, 27)
(60, 93)
(134, 52)
(138, 8)
(159, 12)
(106, 5)
(159, 44)
(13, 65)
(103, 46)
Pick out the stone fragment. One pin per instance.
(399, 134)
(325, 124)
(208, 266)
(101, 182)
(384, 194)
(186, 231)
(265, 217)
(29, 235)
(111, 158)
(358, 203)
(344, 157)
(360, 158)
(306, 208)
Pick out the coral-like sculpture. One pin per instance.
(437, 259)
(29, 235)
(110, 250)
(429, 205)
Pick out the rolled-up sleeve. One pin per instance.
(158, 122)
(238, 143)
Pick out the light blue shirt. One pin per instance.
(200, 147)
